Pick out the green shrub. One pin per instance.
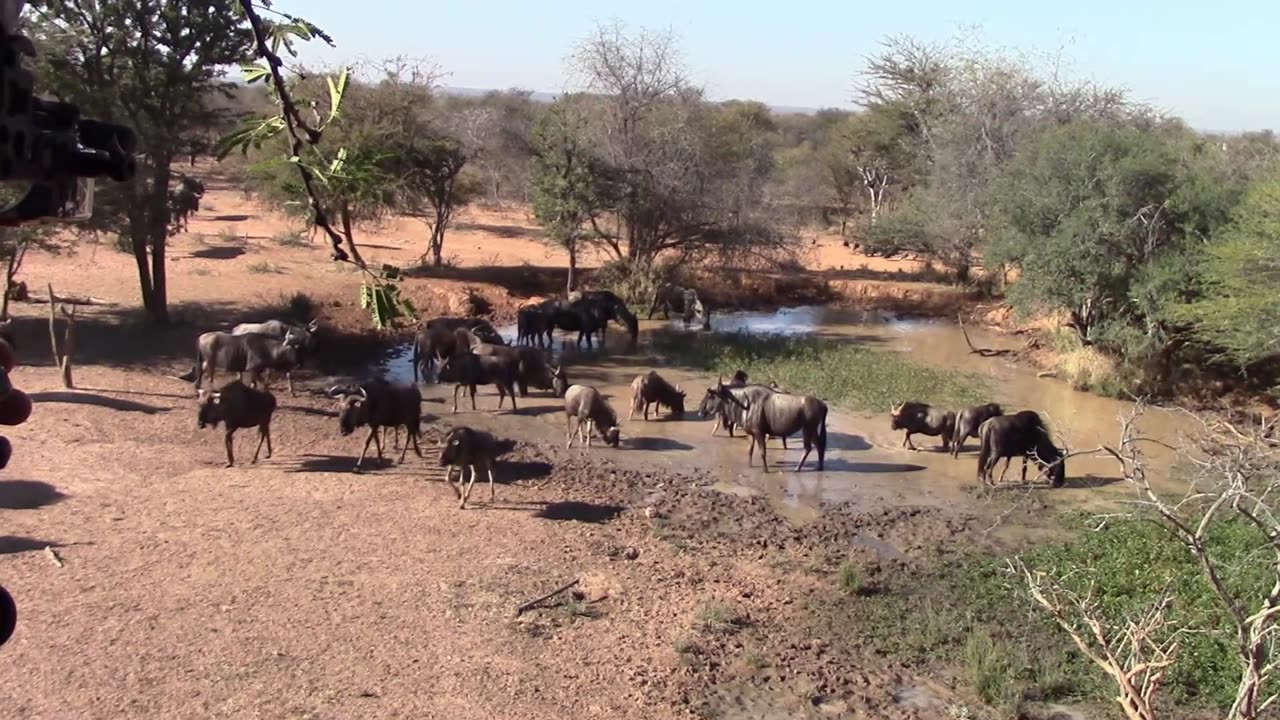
(852, 580)
(300, 306)
(290, 238)
(264, 267)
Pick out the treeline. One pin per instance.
(1153, 241)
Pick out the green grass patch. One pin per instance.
(842, 373)
(264, 268)
(290, 238)
(716, 618)
(852, 580)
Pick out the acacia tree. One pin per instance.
(154, 67)
(431, 177)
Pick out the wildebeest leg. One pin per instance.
(569, 429)
(910, 445)
(646, 411)
(591, 429)
(764, 452)
(456, 389)
(751, 448)
(462, 501)
(231, 459)
(373, 433)
(488, 465)
(715, 427)
(264, 432)
(377, 443)
(289, 376)
(1024, 469)
(405, 451)
(448, 477)
(414, 437)
(784, 443)
(1005, 470)
(808, 446)
(512, 391)
(472, 388)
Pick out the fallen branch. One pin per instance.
(984, 352)
(69, 300)
(530, 605)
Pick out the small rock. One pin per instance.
(631, 553)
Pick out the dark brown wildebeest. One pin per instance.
(651, 388)
(923, 419)
(302, 337)
(530, 366)
(588, 407)
(466, 369)
(237, 406)
(463, 448)
(780, 415)
(605, 306)
(379, 404)
(968, 421)
(1020, 434)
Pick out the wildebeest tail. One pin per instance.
(193, 375)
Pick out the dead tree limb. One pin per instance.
(984, 352)
(530, 605)
(63, 359)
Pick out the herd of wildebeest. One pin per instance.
(469, 352)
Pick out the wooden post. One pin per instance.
(63, 360)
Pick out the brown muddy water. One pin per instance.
(865, 462)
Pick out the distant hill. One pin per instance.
(540, 96)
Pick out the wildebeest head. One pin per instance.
(448, 370)
(677, 402)
(711, 403)
(1053, 459)
(612, 435)
(559, 381)
(896, 416)
(354, 411)
(208, 409)
(739, 377)
(721, 391)
(458, 446)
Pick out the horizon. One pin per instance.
(812, 54)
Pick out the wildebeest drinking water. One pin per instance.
(1020, 434)
(651, 388)
(465, 448)
(968, 421)
(923, 419)
(585, 405)
(237, 406)
(780, 415)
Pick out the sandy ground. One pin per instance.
(297, 589)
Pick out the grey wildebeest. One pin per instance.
(585, 404)
(730, 414)
(680, 299)
(466, 369)
(651, 388)
(432, 345)
(237, 406)
(463, 448)
(253, 353)
(302, 337)
(968, 421)
(530, 367)
(377, 405)
(780, 415)
(919, 418)
(1020, 434)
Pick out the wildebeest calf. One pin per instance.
(468, 370)
(968, 421)
(585, 404)
(651, 388)
(237, 406)
(924, 419)
(780, 415)
(463, 448)
(1020, 434)
(378, 405)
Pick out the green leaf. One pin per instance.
(254, 72)
(336, 91)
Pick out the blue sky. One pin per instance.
(1216, 64)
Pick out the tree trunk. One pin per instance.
(346, 235)
(10, 269)
(573, 268)
(158, 236)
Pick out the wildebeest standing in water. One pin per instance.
(968, 421)
(467, 448)
(1020, 434)
(923, 419)
(585, 404)
(468, 370)
(730, 415)
(651, 388)
(780, 415)
(237, 406)
(379, 404)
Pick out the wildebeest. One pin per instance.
(301, 337)
(651, 388)
(581, 318)
(967, 422)
(780, 415)
(237, 406)
(923, 419)
(731, 412)
(683, 300)
(531, 367)
(185, 201)
(463, 448)
(466, 369)
(606, 305)
(531, 325)
(1020, 434)
(585, 404)
(432, 345)
(252, 353)
(482, 328)
(379, 404)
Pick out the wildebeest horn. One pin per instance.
(363, 393)
(335, 390)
